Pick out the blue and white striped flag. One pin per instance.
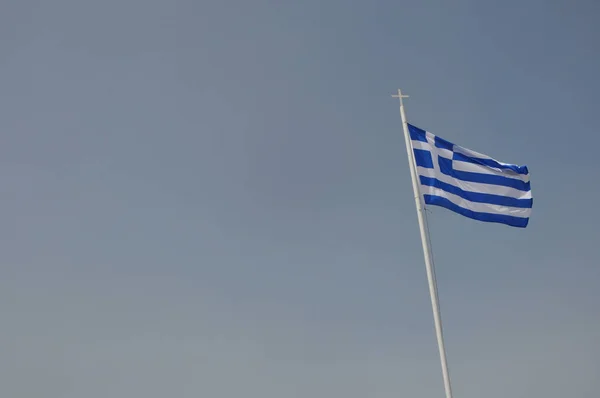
(470, 183)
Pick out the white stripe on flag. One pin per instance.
(474, 206)
(475, 186)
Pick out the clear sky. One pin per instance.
(212, 198)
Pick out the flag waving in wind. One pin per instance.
(469, 183)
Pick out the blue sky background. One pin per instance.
(212, 198)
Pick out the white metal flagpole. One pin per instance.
(423, 228)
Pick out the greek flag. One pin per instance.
(470, 183)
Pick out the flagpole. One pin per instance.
(426, 250)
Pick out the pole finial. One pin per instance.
(400, 96)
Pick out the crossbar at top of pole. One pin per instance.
(437, 318)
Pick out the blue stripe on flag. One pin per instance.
(476, 196)
(442, 143)
(423, 158)
(490, 163)
(519, 222)
(416, 134)
(446, 168)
